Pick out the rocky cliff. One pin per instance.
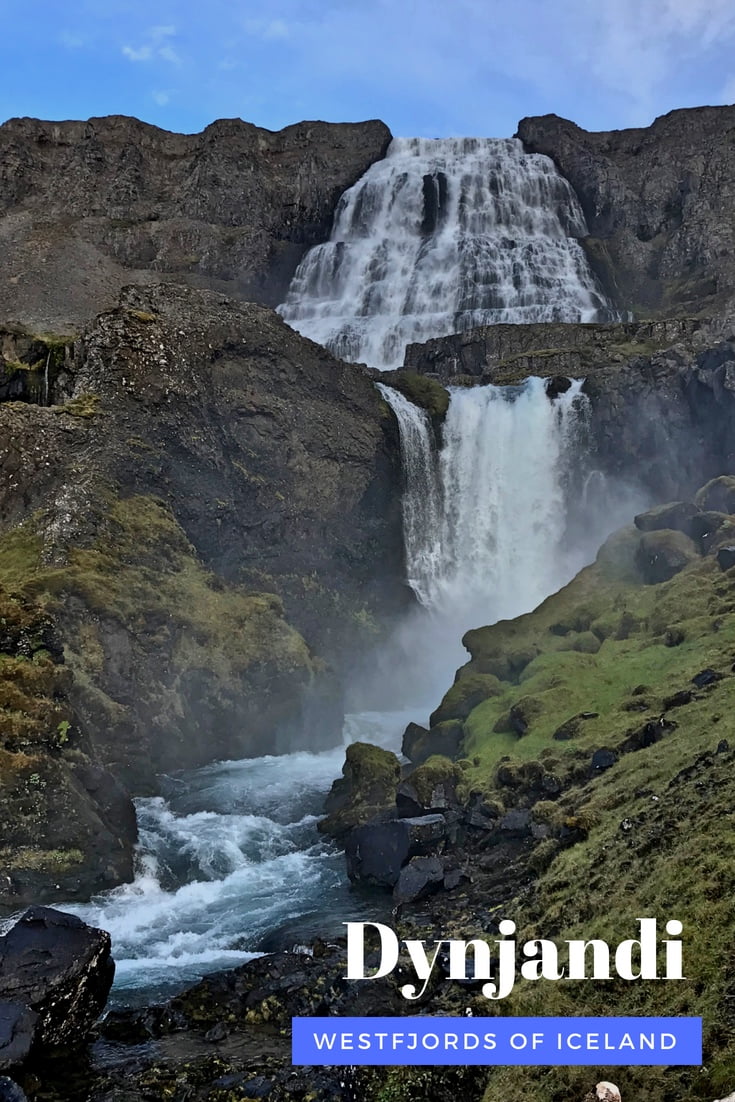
(86, 207)
(660, 392)
(659, 203)
(202, 505)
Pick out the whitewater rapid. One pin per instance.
(441, 236)
(231, 865)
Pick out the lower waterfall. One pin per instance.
(485, 518)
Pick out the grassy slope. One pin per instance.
(656, 829)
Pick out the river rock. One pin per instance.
(367, 786)
(17, 1029)
(377, 852)
(61, 969)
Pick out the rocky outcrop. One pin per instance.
(659, 206)
(232, 209)
(61, 970)
(205, 509)
(660, 393)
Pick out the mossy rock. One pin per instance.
(370, 776)
(444, 739)
(586, 642)
(435, 781)
(663, 553)
(469, 690)
(677, 515)
(422, 391)
(718, 495)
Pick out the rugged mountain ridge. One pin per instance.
(87, 207)
(659, 203)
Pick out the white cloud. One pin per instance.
(268, 29)
(728, 91)
(145, 53)
(156, 45)
(168, 53)
(162, 98)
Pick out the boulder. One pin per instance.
(17, 1029)
(662, 554)
(726, 558)
(61, 969)
(677, 516)
(718, 495)
(418, 878)
(377, 852)
(444, 739)
(367, 786)
(602, 759)
(465, 694)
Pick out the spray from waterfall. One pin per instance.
(442, 236)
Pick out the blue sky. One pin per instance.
(426, 67)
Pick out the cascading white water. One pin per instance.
(485, 521)
(441, 236)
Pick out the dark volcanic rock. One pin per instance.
(17, 1028)
(377, 852)
(10, 1091)
(659, 205)
(419, 877)
(726, 558)
(232, 209)
(59, 967)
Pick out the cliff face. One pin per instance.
(659, 203)
(660, 392)
(86, 207)
(204, 506)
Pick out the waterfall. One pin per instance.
(441, 236)
(485, 521)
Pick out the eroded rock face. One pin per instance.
(207, 508)
(232, 208)
(659, 204)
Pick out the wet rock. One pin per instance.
(418, 878)
(662, 554)
(17, 1028)
(722, 746)
(216, 1034)
(677, 516)
(602, 759)
(726, 558)
(10, 1091)
(408, 803)
(59, 967)
(377, 852)
(556, 385)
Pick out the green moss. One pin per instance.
(422, 391)
(84, 406)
